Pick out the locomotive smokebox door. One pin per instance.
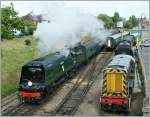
(62, 65)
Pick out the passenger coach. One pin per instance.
(113, 40)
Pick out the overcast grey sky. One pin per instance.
(125, 8)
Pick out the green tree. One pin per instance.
(116, 18)
(107, 20)
(10, 22)
(128, 25)
(110, 22)
(30, 23)
(31, 27)
(133, 20)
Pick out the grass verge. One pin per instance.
(14, 54)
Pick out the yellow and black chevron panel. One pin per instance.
(125, 88)
(125, 85)
(111, 79)
(114, 94)
(104, 88)
(109, 70)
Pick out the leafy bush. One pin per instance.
(27, 42)
(31, 29)
(30, 23)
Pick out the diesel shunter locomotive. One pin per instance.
(118, 83)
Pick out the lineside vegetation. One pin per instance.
(14, 54)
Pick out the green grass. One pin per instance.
(14, 54)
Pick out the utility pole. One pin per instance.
(149, 11)
(149, 15)
(142, 21)
(120, 27)
(12, 5)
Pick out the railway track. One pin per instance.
(18, 109)
(8, 99)
(74, 98)
(9, 103)
(11, 106)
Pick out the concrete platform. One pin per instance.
(145, 58)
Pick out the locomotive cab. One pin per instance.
(76, 51)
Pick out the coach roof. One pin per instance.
(115, 36)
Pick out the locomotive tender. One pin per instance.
(126, 45)
(40, 76)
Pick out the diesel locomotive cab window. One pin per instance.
(32, 74)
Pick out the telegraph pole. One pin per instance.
(149, 12)
(120, 27)
(12, 5)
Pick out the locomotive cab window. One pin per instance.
(76, 51)
(32, 74)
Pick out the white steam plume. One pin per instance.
(65, 28)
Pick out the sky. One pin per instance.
(125, 8)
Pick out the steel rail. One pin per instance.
(74, 98)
